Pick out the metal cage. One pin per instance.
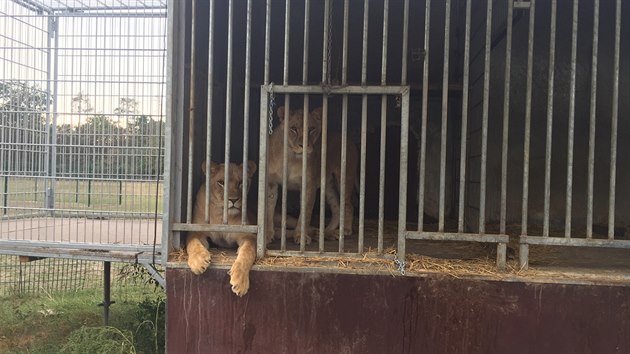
(81, 127)
(501, 118)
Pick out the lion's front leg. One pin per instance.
(309, 196)
(245, 258)
(198, 254)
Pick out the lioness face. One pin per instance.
(234, 184)
(296, 129)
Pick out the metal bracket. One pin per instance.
(155, 274)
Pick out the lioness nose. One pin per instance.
(233, 200)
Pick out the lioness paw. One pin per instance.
(198, 262)
(297, 236)
(332, 234)
(239, 279)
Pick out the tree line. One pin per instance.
(124, 144)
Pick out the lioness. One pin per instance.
(294, 179)
(197, 243)
(295, 152)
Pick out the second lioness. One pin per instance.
(295, 152)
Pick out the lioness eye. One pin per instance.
(240, 184)
(220, 183)
(311, 130)
(293, 130)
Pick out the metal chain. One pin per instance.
(398, 101)
(400, 265)
(272, 105)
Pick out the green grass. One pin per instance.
(82, 195)
(72, 322)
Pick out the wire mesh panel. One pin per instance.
(82, 122)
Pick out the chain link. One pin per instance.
(272, 105)
(400, 265)
(398, 101)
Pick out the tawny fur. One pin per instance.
(197, 242)
(295, 152)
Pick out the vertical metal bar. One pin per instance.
(592, 123)
(447, 25)
(425, 101)
(613, 132)
(366, 19)
(107, 268)
(552, 60)
(484, 123)
(571, 129)
(326, 42)
(528, 119)
(53, 142)
(191, 117)
(342, 184)
(381, 179)
(322, 195)
(506, 116)
(209, 110)
(267, 43)
(405, 43)
(344, 130)
(265, 115)
(404, 161)
(306, 43)
(285, 172)
(305, 132)
(248, 55)
(228, 108)
(287, 112)
(303, 217)
(261, 244)
(464, 133)
(51, 35)
(287, 26)
(322, 191)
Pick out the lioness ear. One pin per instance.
(203, 167)
(251, 168)
(280, 112)
(214, 167)
(317, 113)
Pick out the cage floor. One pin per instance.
(81, 230)
(451, 258)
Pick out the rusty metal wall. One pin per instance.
(303, 312)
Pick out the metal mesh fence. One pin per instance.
(81, 121)
(52, 275)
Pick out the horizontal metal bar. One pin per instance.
(324, 255)
(454, 236)
(579, 242)
(250, 229)
(73, 254)
(522, 4)
(4, 244)
(359, 90)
